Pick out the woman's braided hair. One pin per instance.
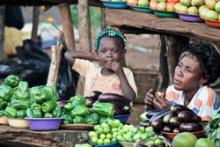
(208, 57)
(111, 33)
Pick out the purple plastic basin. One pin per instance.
(44, 124)
(190, 18)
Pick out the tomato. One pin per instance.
(92, 134)
(94, 140)
(102, 136)
(106, 141)
(109, 136)
(100, 141)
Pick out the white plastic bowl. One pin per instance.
(18, 123)
(3, 120)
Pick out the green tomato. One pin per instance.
(158, 142)
(106, 141)
(109, 136)
(150, 142)
(92, 134)
(115, 134)
(106, 130)
(142, 129)
(94, 140)
(102, 136)
(114, 130)
(116, 123)
(113, 140)
(100, 141)
(120, 138)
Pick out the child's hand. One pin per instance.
(149, 97)
(115, 66)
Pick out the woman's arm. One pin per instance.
(72, 55)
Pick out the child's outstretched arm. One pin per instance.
(72, 55)
(127, 90)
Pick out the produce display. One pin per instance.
(76, 111)
(139, 3)
(113, 131)
(178, 119)
(163, 5)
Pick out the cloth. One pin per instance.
(203, 102)
(95, 81)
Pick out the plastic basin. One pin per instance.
(122, 118)
(165, 14)
(44, 124)
(190, 18)
(117, 5)
(141, 9)
(18, 123)
(116, 144)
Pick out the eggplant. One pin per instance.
(144, 123)
(177, 108)
(174, 121)
(190, 127)
(112, 97)
(159, 114)
(166, 118)
(157, 125)
(188, 116)
(168, 129)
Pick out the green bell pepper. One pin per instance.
(12, 80)
(37, 113)
(78, 100)
(67, 119)
(78, 120)
(103, 109)
(57, 111)
(80, 110)
(29, 113)
(68, 106)
(48, 115)
(38, 94)
(5, 92)
(3, 104)
(2, 113)
(35, 106)
(51, 92)
(11, 112)
(22, 91)
(20, 104)
(93, 119)
(49, 106)
(21, 114)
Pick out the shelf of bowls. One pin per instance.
(207, 11)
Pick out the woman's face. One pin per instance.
(188, 74)
(110, 50)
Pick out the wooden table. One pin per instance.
(24, 137)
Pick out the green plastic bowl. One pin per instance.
(165, 14)
(141, 9)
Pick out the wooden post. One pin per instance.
(84, 25)
(35, 21)
(67, 26)
(54, 65)
(175, 45)
(2, 30)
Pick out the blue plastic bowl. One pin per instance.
(116, 144)
(117, 5)
(122, 118)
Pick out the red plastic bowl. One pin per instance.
(213, 23)
(172, 135)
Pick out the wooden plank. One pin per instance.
(35, 22)
(2, 30)
(24, 137)
(128, 18)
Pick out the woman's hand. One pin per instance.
(161, 103)
(149, 97)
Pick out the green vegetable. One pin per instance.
(38, 94)
(22, 91)
(3, 104)
(78, 120)
(103, 109)
(67, 119)
(21, 114)
(2, 113)
(35, 106)
(20, 104)
(49, 106)
(68, 106)
(12, 80)
(11, 112)
(48, 115)
(80, 110)
(37, 113)
(57, 111)
(5, 92)
(92, 119)
(78, 100)
(51, 92)
(29, 113)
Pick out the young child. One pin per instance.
(198, 66)
(106, 74)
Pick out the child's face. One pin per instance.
(188, 74)
(110, 50)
